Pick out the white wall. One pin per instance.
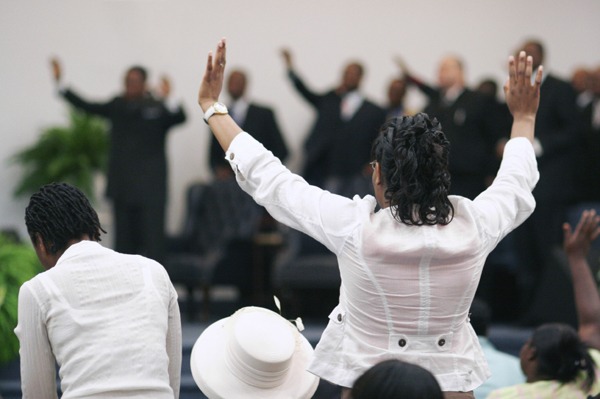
(98, 39)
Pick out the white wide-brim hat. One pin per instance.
(255, 353)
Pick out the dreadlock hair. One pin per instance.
(58, 213)
(561, 354)
(412, 152)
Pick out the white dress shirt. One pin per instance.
(111, 323)
(406, 290)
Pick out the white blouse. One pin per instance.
(110, 321)
(406, 290)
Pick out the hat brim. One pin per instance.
(215, 381)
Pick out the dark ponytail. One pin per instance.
(412, 152)
(562, 355)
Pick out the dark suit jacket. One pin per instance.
(260, 122)
(471, 124)
(137, 165)
(588, 173)
(557, 127)
(336, 148)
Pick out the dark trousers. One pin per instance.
(140, 228)
(534, 241)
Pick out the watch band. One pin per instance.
(216, 108)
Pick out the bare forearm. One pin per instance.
(523, 126)
(224, 128)
(587, 300)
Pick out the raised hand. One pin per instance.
(522, 97)
(212, 82)
(56, 69)
(577, 243)
(164, 88)
(399, 61)
(287, 58)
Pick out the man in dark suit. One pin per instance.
(589, 171)
(255, 119)
(339, 144)
(470, 123)
(137, 165)
(557, 139)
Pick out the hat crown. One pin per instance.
(261, 347)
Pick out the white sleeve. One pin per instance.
(174, 349)
(509, 201)
(38, 366)
(326, 217)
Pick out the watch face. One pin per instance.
(220, 108)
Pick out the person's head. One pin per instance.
(535, 49)
(352, 75)
(410, 170)
(488, 87)
(595, 82)
(57, 216)
(236, 84)
(555, 352)
(135, 82)
(395, 379)
(480, 316)
(451, 73)
(581, 80)
(396, 92)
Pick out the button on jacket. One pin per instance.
(406, 290)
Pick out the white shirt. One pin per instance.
(406, 290)
(110, 321)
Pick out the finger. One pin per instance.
(512, 71)
(209, 64)
(538, 76)
(221, 54)
(528, 68)
(567, 232)
(521, 68)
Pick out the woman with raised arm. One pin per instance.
(559, 362)
(409, 271)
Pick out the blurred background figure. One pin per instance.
(581, 80)
(589, 172)
(338, 145)
(558, 137)
(252, 117)
(470, 122)
(396, 93)
(137, 164)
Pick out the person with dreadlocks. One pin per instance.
(109, 320)
(410, 270)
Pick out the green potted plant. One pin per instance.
(72, 154)
(18, 263)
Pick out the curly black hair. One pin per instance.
(412, 152)
(58, 213)
(561, 355)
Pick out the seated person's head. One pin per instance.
(555, 352)
(411, 170)
(394, 379)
